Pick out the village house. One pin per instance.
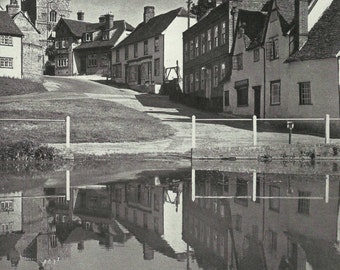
(10, 47)
(153, 52)
(85, 48)
(32, 51)
(280, 69)
(206, 56)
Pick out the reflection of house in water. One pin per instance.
(150, 208)
(299, 231)
(10, 212)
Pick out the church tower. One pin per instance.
(45, 14)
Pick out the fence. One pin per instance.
(255, 120)
(67, 122)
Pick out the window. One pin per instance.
(156, 202)
(186, 52)
(274, 201)
(203, 79)
(92, 60)
(215, 82)
(191, 49)
(304, 202)
(197, 50)
(226, 99)
(156, 44)
(222, 71)
(272, 48)
(209, 39)
(256, 55)
(157, 67)
(126, 52)
(117, 56)
(191, 82)
(105, 35)
(88, 37)
(146, 48)
(56, 44)
(216, 36)
(238, 62)
(203, 43)
(271, 240)
(6, 40)
(242, 92)
(275, 93)
(223, 35)
(6, 62)
(53, 16)
(64, 43)
(135, 50)
(305, 95)
(62, 61)
(293, 41)
(6, 206)
(117, 71)
(197, 81)
(104, 61)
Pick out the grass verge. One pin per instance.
(11, 86)
(91, 121)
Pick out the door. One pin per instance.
(83, 65)
(139, 74)
(126, 73)
(257, 101)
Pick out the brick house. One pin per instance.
(207, 60)
(10, 47)
(85, 48)
(276, 70)
(32, 51)
(141, 59)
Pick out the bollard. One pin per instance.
(254, 130)
(254, 186)
(68, 132)
(327, 129)
(193, 135)
(327, 189)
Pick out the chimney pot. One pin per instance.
(109, 20)
(80, 15)
(149, 13)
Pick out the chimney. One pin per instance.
(149, 13)
(301, 18)
(80, 15)
(109, 20)
(13, 8)
(102, 19)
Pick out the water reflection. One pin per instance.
(174, 219)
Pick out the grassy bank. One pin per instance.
(10, 86)
(91, 121)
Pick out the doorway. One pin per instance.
(257, 101)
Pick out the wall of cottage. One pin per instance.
(14, 52)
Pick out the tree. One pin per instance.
(51, 53)
(202, 7)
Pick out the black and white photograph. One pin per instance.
(170, 135)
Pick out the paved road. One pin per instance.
(214, 135)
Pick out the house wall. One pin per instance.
(14, 52)
(11, 221)
(33, 54)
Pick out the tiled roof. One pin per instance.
(76, 27)
(118, 26)
(153, 27)
(7, 25)
(324, 38)
(254, 26)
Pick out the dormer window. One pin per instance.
(53, 16)
(88, 37)
(105, 35)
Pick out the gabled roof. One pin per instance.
(153, 27)
(286, 10)
(324, 38)
(24, 14)
(254, 23)
(118, 27)
(77, 28)
(8, 26)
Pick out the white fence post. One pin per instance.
(254, 186)
(327, 129)
(193, 135)
(327, 189)
(68, 132)
(254, 130)
(68, 185)
(193, 184)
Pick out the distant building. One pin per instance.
(10, 47)
(280, 69)
(153, 51)
(32, 51)
(11, 213)
(207, 59)
(86, 48)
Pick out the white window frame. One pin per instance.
(275, 92)
(305, 93)
(6, 40)
(6, 62)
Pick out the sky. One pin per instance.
(129, 10)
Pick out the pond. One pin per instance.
(225, 216)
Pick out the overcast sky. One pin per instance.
(129, 10)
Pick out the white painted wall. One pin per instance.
(316, 12)
(15, 53)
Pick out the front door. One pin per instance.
(257, 101)
(82, 65)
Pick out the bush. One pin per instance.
(26, 151)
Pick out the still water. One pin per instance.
(229, 217)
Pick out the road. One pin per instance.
(178, 116)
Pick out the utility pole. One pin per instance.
(189, 2)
